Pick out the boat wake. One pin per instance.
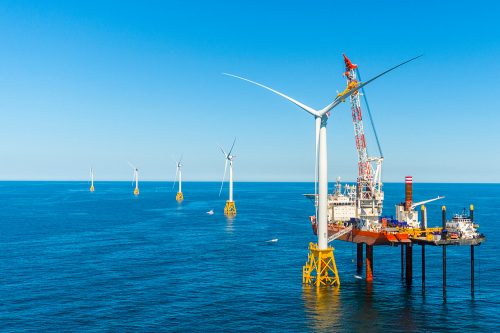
(274, 240)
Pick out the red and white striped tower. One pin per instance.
(408, 192)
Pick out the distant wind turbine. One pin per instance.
(135, 179)
(230, 208)
(178, 177)
(91, 180)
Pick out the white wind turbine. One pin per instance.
(178, 176)
(135, 179)
(91, 180)
(230, 208)
(321, 119)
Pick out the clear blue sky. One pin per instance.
(104, 82)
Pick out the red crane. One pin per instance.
(369, 183)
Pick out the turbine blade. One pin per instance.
(222, 150)
(299, 104)
(131, 165)
(232, 147)
(340, 99)
(175, 179)
(223, 178)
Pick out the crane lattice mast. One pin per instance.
(369, 184)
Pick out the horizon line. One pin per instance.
(241, 181)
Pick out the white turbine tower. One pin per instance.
(230, 208)
(135, 179)
(321, 261)
(91, 180)
(178, 177)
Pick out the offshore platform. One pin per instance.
(355, 211)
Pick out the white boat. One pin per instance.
(462, 226)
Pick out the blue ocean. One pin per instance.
(72, 260)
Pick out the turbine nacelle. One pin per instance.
(179, 161)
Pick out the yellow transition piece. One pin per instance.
(230, 209)
(320, 268)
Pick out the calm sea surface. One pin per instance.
(71, 260)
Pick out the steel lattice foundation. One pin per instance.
(320, 269)
(230, 209)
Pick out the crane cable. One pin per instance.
(370, 115)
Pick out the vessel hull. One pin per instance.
(366, 236)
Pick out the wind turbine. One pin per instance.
(91, 179)
(230, 208)
(321, 255)
(136, 178)
(178, 176)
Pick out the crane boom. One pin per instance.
(425, 201)
(369, 181)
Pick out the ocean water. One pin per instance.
(71, 260)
